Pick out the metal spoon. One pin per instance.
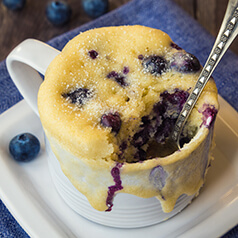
(226, 35)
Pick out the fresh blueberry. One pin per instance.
(58, 12)
(78, 96)
(154, 64)
(185, 62)
(14, 4)
(95, 8)
(93, 54)
(118, 77)
(24, 147)
(112, 120)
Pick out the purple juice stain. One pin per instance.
(115, 172)
(158, 177)
(209, 116)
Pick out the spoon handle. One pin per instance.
(226, 35)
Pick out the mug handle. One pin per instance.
(24, 63)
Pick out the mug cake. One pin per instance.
(108, 105)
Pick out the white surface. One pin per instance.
(28, 192)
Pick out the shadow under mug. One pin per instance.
(24, 64)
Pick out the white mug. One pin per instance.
(129, 211)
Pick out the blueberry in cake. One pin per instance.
(108, 104)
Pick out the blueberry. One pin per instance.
(95, 8)
(164, 130)
(14, 4)
(177, 98)
(168, 109)
(24, 147)
(185, 62)
(112, 120)
(141, 137)
(140, 57)
(126, 70)
(93, 54)
(78, 96)
(154, 64)
(118, 77)
(58, 12)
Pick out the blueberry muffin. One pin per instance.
(108, 105)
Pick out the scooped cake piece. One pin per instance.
(108, 104)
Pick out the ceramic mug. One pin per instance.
(24, 64)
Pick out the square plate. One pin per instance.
(29, 193)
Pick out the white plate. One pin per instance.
(28, 192)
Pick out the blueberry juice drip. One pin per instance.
(115, 172)
(209, 116)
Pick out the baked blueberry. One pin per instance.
(177, 98)
(112, 120)
(140, 57)
(24, 147)
(164, 131)
(125, 70)
(78, 96)
(168, 110)
(185, 62)
(154, 64)
(93, 54)
(118, 77)
(141, 137)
